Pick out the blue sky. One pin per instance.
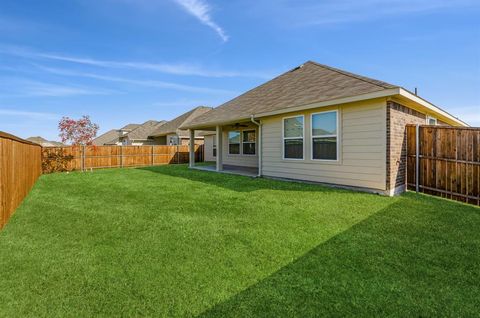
(127, 61)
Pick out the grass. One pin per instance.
(168, 241)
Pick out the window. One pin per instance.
(234, 142)
(248, 142)
(324, 136)
(293, 137)
(173, 140)
(214, 146)
(431, 121)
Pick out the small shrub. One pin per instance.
(55, 160)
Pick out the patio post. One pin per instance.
(191, 149)
(219, 137)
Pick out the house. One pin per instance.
(140, 136)
(320, 124)
(171, 134)
(45, 143)
(112, 137)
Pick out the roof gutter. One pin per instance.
(396, 91)
(416, 99)
(259, 143)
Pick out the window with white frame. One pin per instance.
(234, 142)
(293, 137)
(214, 146)
(173, 140)
(431, 121)
(248, 142)
(324, 136)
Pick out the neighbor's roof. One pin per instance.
(172, 127)
(130, 127)
(306, 84)
(106, 138)
(144, 130)
(44, 142)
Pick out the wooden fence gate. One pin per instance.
(444, 161)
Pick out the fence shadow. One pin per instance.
(407, 260)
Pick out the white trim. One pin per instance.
(219, 157)
(249, 142)
(290, 138)
(239, 142)
(342, 100)
(382, 93)
(324, 136)
(259, 144)
(214, 147)
(428, 118)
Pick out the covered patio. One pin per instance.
(230, 169)
(247, 165)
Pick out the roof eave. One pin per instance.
(342, 100)
(378, 94)
(162, 134)
(435, 109)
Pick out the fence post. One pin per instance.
(83, 157)
(152, 155)
(121, 156)
(177, 154)
(417, 157)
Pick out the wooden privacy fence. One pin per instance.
(96, 157)
(20, 167)
(444, 161)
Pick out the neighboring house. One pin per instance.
(321, 124)
(112, 137)
(171, 134)
(140, 136)
(45, 143)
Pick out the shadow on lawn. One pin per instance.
(417, 257)
(240, 183)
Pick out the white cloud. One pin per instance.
(201, 10)
(28, 114)
(175, 69)
(347, 11)
(148, 83)
(18, 87)
(52, 90)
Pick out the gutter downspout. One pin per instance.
(252, 119)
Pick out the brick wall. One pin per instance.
(397, 117)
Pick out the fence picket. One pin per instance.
(97, 157)
(449, 162)
(20, 167)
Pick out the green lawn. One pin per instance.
(168, 241)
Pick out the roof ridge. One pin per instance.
(353, 75)
(193, 111)
(263, 84)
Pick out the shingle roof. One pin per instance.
(172, 127)
(309, 83)
(144, 130)
(110, 137)
(130, 127)
(44, 142)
